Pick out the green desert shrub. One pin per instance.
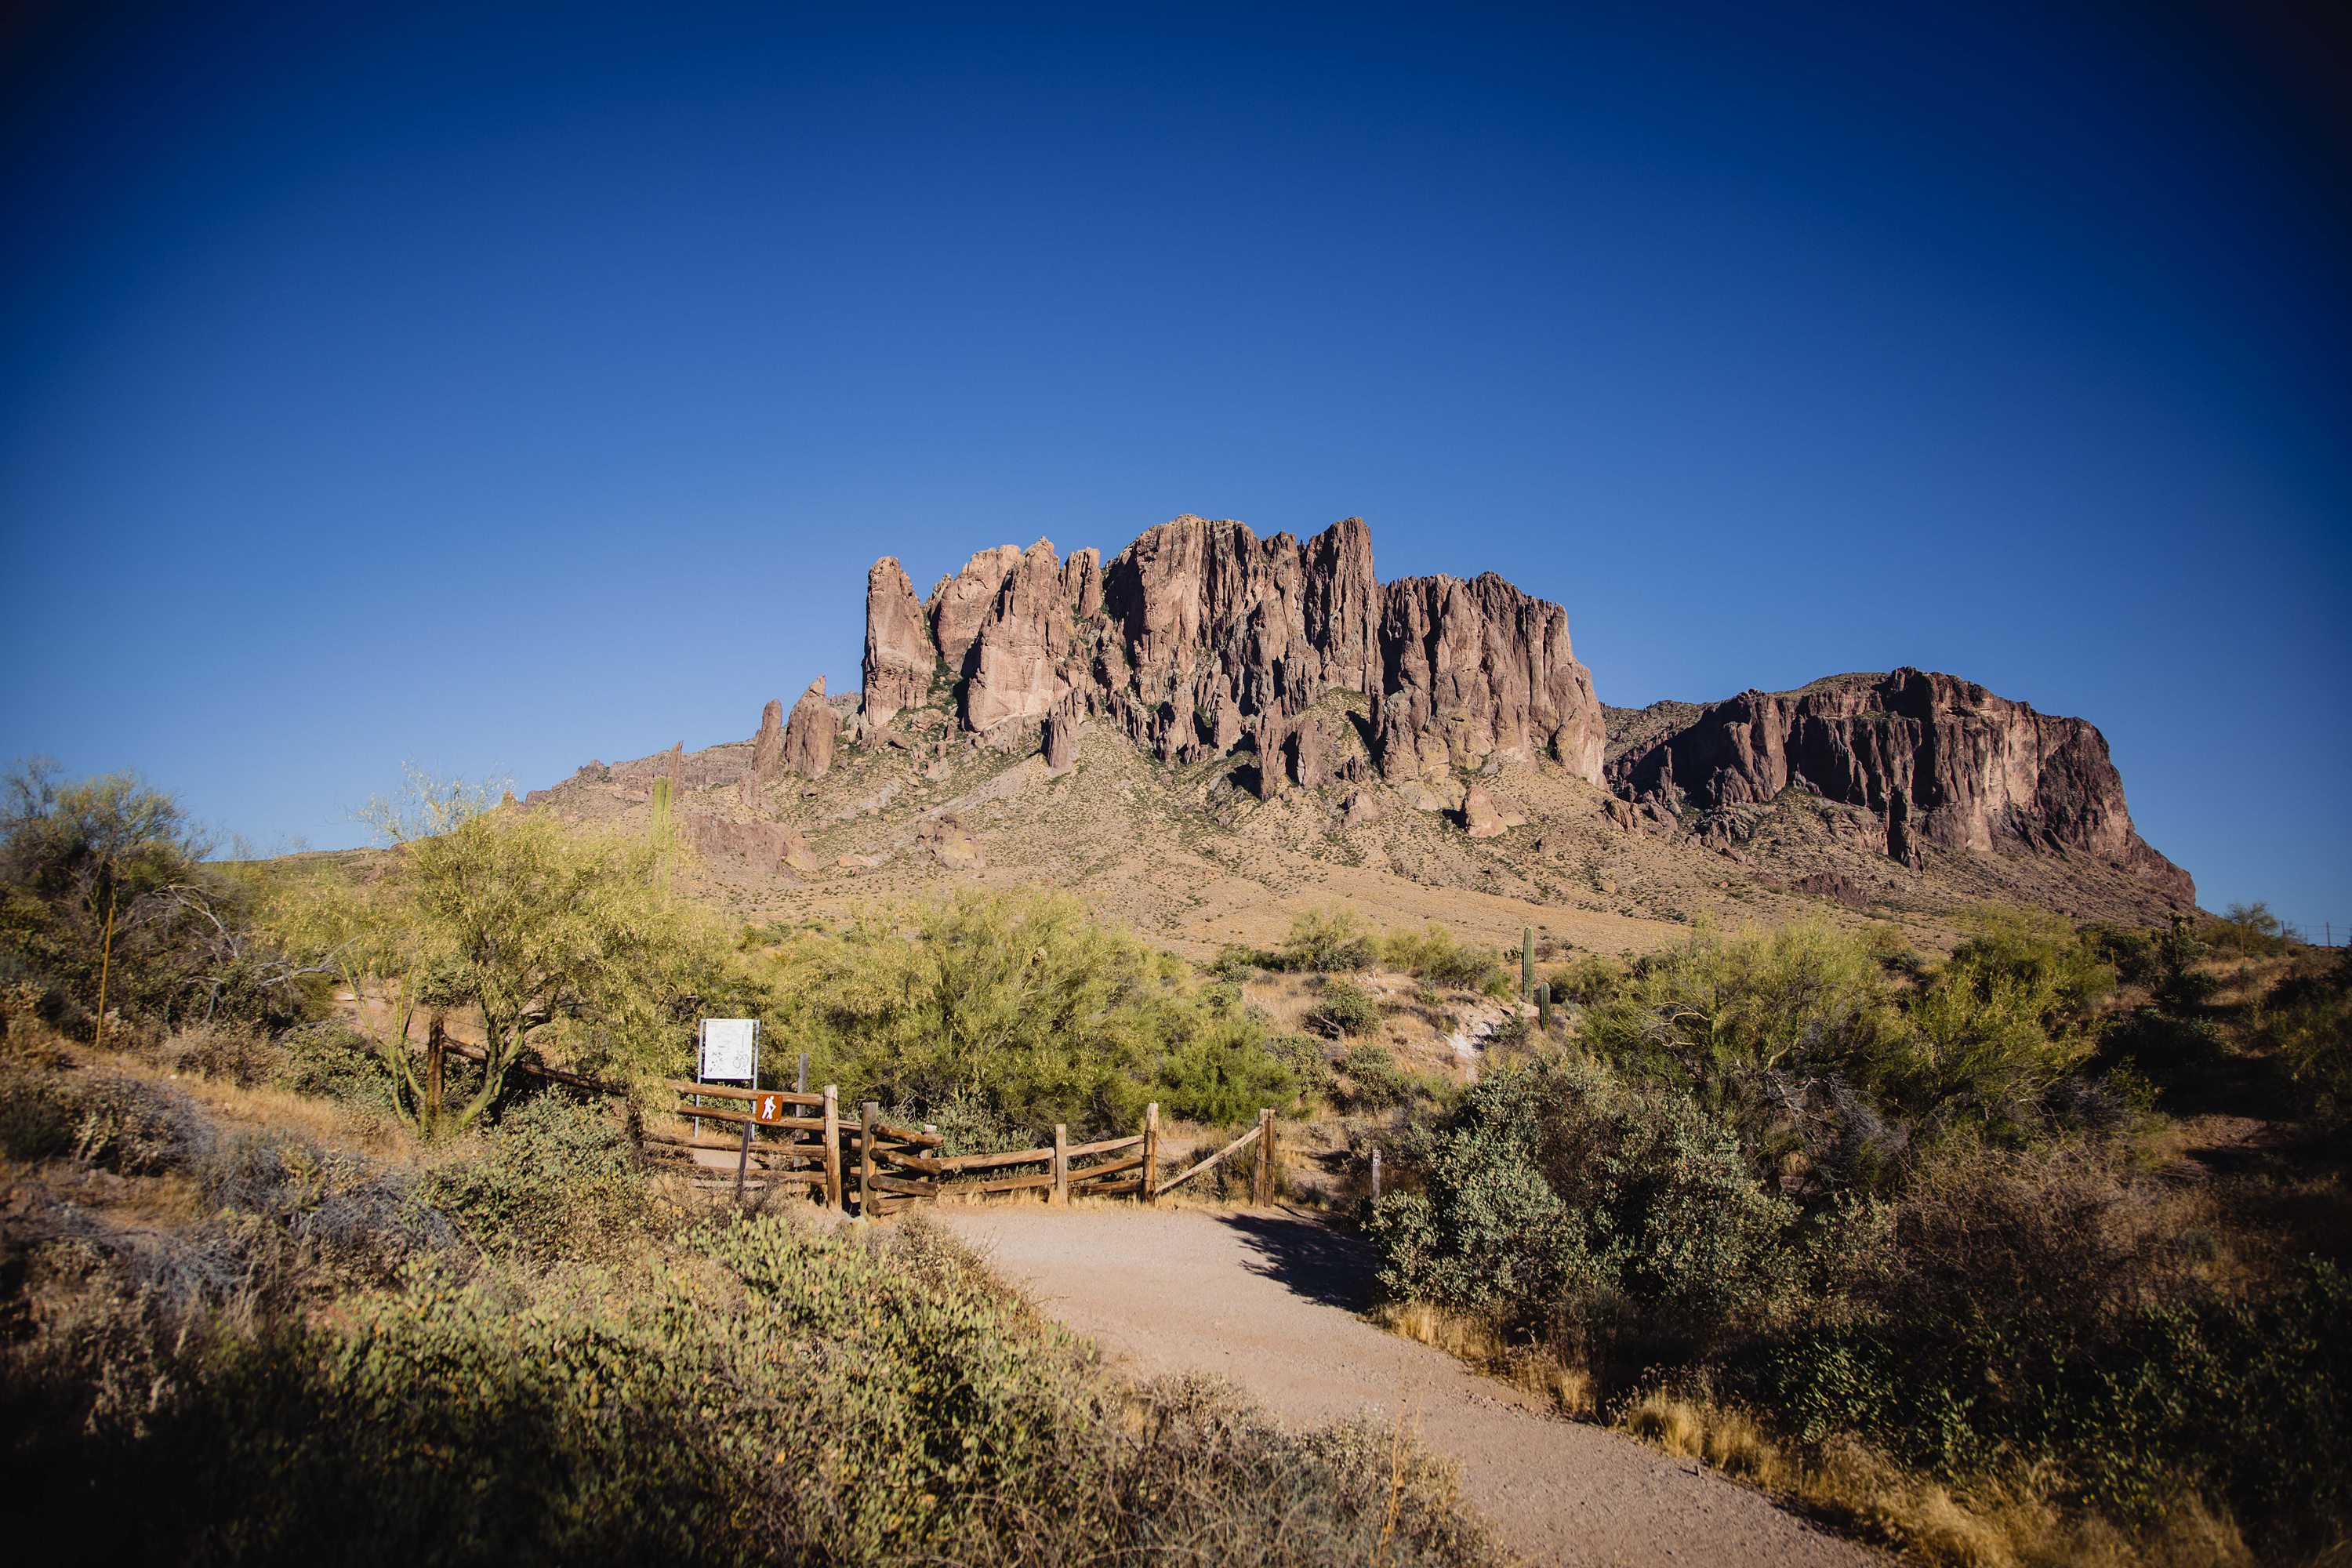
(1326, 941)
(1437, 958)
(1588, 980)
(771, 1395)
(2248, 930)
(1560, 1194)
(34, 1122)
(1025, 1004)
(334, 1061)
(80, 858)
(1374, 1080)
(2307, 1020)
(551, 1179)
(1342, 1009)
(2032, 1314)
(1223, 1077)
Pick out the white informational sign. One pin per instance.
(731, 1050)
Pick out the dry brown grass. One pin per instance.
(2008, 1524)
(1474, 1342)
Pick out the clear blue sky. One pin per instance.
(498, 387)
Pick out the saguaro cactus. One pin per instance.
(1543, 1009)
(661, 830)
(1527, 962)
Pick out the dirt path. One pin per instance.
(1268, 1300)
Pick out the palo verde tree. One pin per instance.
(560, 940)
(108, 903)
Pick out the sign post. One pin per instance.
(727, 1050)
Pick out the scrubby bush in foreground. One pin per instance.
(1561, 1197)
(1884, 1232)
(753, 1393)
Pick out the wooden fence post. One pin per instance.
(833, 1146)
(1262, 1182)
(1060, 1195)
(866, 1161)
(435, 1052)
(1150, 1191)
(1376, 1176)
(743, 1159)
(800, 1079)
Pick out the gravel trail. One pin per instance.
(1268, 1298)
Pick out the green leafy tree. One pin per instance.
(1025, 1009)
(105, 885)
(560, 940)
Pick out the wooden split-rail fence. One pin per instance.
(770, 1139)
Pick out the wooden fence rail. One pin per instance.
(790, 1138)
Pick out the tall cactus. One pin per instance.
(1543, 1009)
(1527, 962)
(662, 832)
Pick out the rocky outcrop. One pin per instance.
(810, 733)
(959, 605)
(1200, 635)
(1471, 670)
(1058, 743)
(1480, 815)
(1303, 752)
(761, 846)
(1020, 664)
(767, 752)
(1941, 761)
(900, 655)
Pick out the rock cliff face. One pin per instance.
(767, 752)
(900, 656)
(1201, 634)
(809, 735)
(1470, 669)
(1940, 760)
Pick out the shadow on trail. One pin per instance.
(1308, 1257)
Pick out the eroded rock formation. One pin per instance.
(1940, 760)
(960, 603)
(767, 752)
(900, 655)
(1201, 634)
(809, 736)
(1057, 743)
(1473, 669)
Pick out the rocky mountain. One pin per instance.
(1938, 760)
(1212, 729)
(1201, 635)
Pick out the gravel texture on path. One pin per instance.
(1270, 1298)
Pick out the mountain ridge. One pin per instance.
(1279, 704)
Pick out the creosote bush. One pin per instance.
(1342, 1009)
(1437, 958)
(553, 1179)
